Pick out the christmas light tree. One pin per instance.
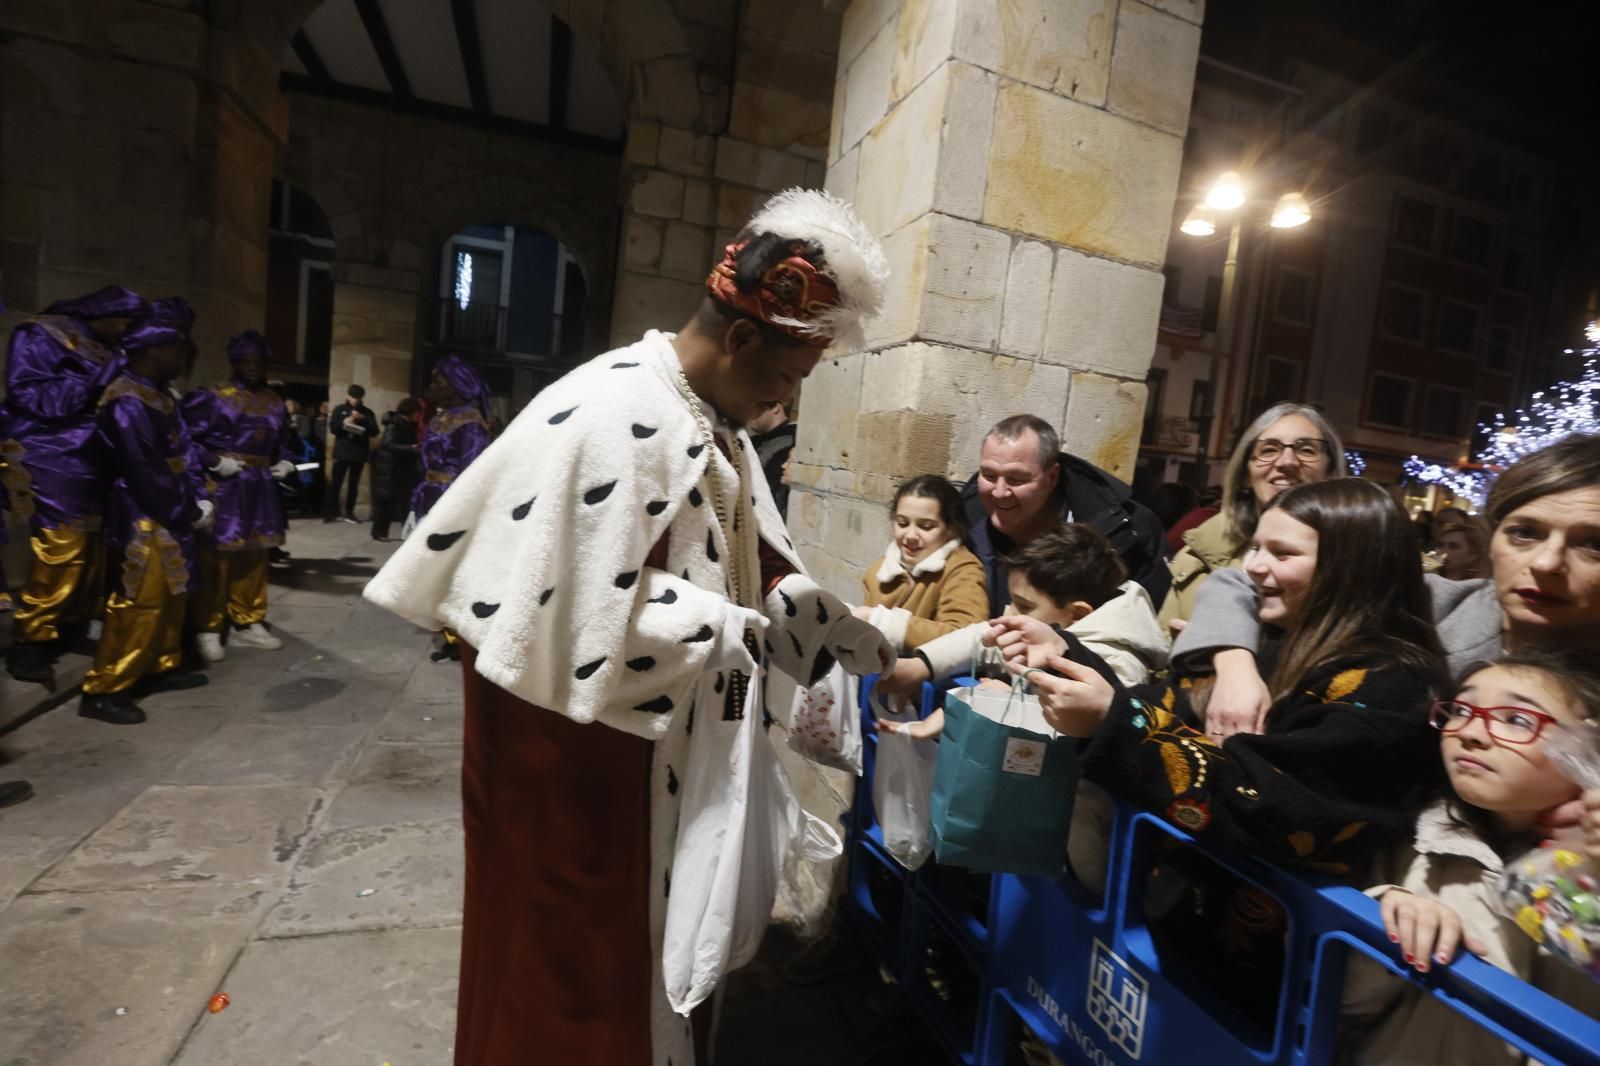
(1565, 408)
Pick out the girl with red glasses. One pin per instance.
(1440, 891)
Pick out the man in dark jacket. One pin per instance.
(352, 425)
(1026, 485)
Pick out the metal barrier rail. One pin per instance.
(1084, 973)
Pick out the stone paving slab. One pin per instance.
(222, 834)
(435, 683)
(409, 722)
(242, 754)
(24, 858)
(414, 873)
(287, 699)
(77, 790)
(71, 959)
(381, 997)
(393, 784)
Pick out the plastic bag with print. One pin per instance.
(825, 725)
(1552, 892)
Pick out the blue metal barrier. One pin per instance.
(1085, 975)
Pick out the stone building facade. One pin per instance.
(1019, 159)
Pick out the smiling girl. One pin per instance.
(1442, 887)
(928, 583)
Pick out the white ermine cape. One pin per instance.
(536, 557)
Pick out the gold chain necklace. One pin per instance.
(737, 583)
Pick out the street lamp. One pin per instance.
(1200, 222)
(1227, 194)
(1292, 210)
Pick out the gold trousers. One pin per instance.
(233, 587)
(64, 583)
(143, 631)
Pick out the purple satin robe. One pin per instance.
(252, 427)
(148, 453)
(456, 436)
(55, 371)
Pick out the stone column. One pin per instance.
(1020, 161)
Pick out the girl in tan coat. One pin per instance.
(928, 582)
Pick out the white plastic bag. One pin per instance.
(825, 725)
(902, 787)
(738, 820)
(776, 823)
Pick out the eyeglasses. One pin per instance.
(1306, 449)
(1510, 725)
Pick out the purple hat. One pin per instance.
(113, 301)
(167, 321)
(465, 381)
(250, 342)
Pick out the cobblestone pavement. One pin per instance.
(290, 835)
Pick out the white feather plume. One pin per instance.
(853, 257)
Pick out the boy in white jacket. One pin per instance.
(1073, 579)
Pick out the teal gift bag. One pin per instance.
(1002, 793)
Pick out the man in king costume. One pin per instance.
(153, 510)
(248, 445)
(457, 433)
(56, 367)
(621, 583)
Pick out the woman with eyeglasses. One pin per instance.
(1544, 553)
(1289, 444)
(1439, 892)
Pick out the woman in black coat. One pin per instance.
(396, 468)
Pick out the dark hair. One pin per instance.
(1477, 538)
(1171, 501)
(1071, 562)
(406, 407)
(935, 487)
(1576, 672)
(1012, 429)
(1367, 596)
(1571, 463)
(357, 391)
(761, 252)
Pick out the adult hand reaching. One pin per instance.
(1074, 698)
(1239, 700)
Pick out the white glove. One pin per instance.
(208, 514)
(227, 467)
(807, 620)
(282, 469)
(860, 647)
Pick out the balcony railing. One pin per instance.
(478, 326)
(1170, 431)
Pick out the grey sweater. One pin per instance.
(1465, 613)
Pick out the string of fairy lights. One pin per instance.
(1563, 409)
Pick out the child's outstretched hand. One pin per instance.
(906, 678)
(1427, 931)
(1023, 640)
(928, 728)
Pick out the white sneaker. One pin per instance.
(211, 649)
(255, 636)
